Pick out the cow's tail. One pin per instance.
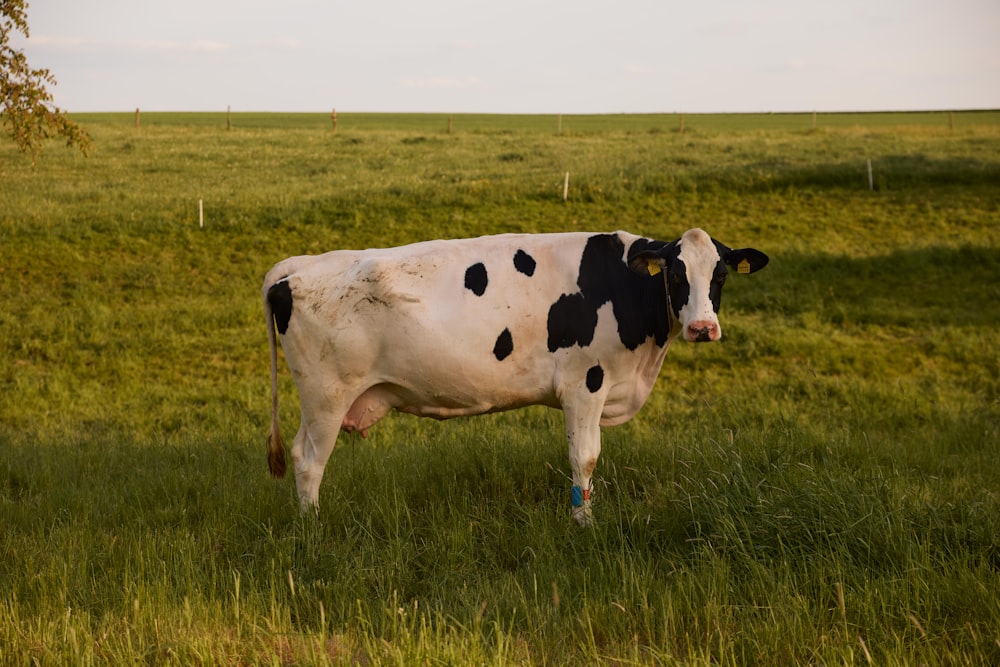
(275, 445)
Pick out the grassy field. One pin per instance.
(820, 487)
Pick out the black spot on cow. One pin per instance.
(504, 345)
(595, 378)
(524, 263)
(475, 278)
(279, 296)
(637, 299)
(571, 321)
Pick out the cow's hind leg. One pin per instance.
(583, 432)
(323, 417)
(312, 448)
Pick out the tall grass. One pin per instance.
(819, 487)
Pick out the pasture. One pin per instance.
(820, 487)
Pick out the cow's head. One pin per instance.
(694, 269)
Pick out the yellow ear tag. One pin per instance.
(743, 266)
(652, 267)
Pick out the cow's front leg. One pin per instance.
(583, 432)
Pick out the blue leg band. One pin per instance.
(576, 496)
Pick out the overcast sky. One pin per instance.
(518, 56)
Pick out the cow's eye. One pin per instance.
(676, 278)
(720, 278)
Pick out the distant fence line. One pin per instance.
(574, 123)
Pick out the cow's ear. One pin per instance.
(646, 262)
(651, 257)
(746, 260)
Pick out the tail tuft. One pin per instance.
(276, 455)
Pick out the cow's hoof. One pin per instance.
(583, 517)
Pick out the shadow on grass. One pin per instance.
(889, 172)
(918, 288)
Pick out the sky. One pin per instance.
(518, 56)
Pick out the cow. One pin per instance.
(450, 328)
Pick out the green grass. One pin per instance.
(820, 487)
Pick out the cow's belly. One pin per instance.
(447, 406)
(430, 401)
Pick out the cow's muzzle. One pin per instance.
(702, 331)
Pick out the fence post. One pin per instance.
(229, 119)
(682, 124)
(333, 119)
(137, 117)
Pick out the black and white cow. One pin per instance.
(576, 321)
